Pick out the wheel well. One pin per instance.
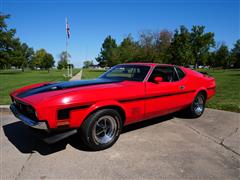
(204, 93)
(117, 108)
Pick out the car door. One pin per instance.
(166, 96)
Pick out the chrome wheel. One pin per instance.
(105, 129)
(198, 105)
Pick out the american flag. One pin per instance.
(67, 29)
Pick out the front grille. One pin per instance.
(26, 110)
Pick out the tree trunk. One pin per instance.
(196, 64)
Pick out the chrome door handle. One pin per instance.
(182, 87)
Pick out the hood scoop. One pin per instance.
(65, 85)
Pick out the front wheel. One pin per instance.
(101, 129)
(197, 107)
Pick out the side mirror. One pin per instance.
(158, 79)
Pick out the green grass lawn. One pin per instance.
(228, 88)
(91, 74)
(10, 80)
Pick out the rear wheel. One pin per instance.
(101, 129)
(197, 107)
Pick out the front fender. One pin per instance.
(78, 116)
(101, 104)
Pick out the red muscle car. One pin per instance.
(98, 109)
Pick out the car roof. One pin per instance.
(147, 64)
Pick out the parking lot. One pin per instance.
(167, 147)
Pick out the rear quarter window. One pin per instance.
(181, 74)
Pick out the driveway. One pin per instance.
(167, 147)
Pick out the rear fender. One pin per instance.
(203, 89)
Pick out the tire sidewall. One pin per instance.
(92, 120)
(194, 114)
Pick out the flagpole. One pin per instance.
(68, 74)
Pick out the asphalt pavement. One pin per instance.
(169, 147)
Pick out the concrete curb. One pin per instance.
(4, 108)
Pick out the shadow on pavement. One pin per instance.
(26, 141)
(146, 123)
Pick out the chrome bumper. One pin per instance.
(34, 124)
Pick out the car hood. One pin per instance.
(59, 86)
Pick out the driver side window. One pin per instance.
(167, 73)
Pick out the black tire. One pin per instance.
(101, 129)
(197, 107)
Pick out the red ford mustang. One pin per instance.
(98, 109)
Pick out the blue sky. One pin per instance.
(41, 23)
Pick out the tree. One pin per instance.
(12, 51)
(222, 57)
(87, 64)
(28, 54)
(38, 58)
(128, 50)
(63, 62)
(16, 57)
(235, 55)
(183, 47)
(6, 42)
(190, 47)
(20, 55)
(201, 42)
(164, 39)
(108, 53)
(180, 50)
(23, 55)
(211, 59)
(43, 60)
(48, 62)
(147, 43)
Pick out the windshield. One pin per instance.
(127, 72)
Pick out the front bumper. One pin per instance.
(29, 122)
(48, 136)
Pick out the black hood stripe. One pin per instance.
(65, 85)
